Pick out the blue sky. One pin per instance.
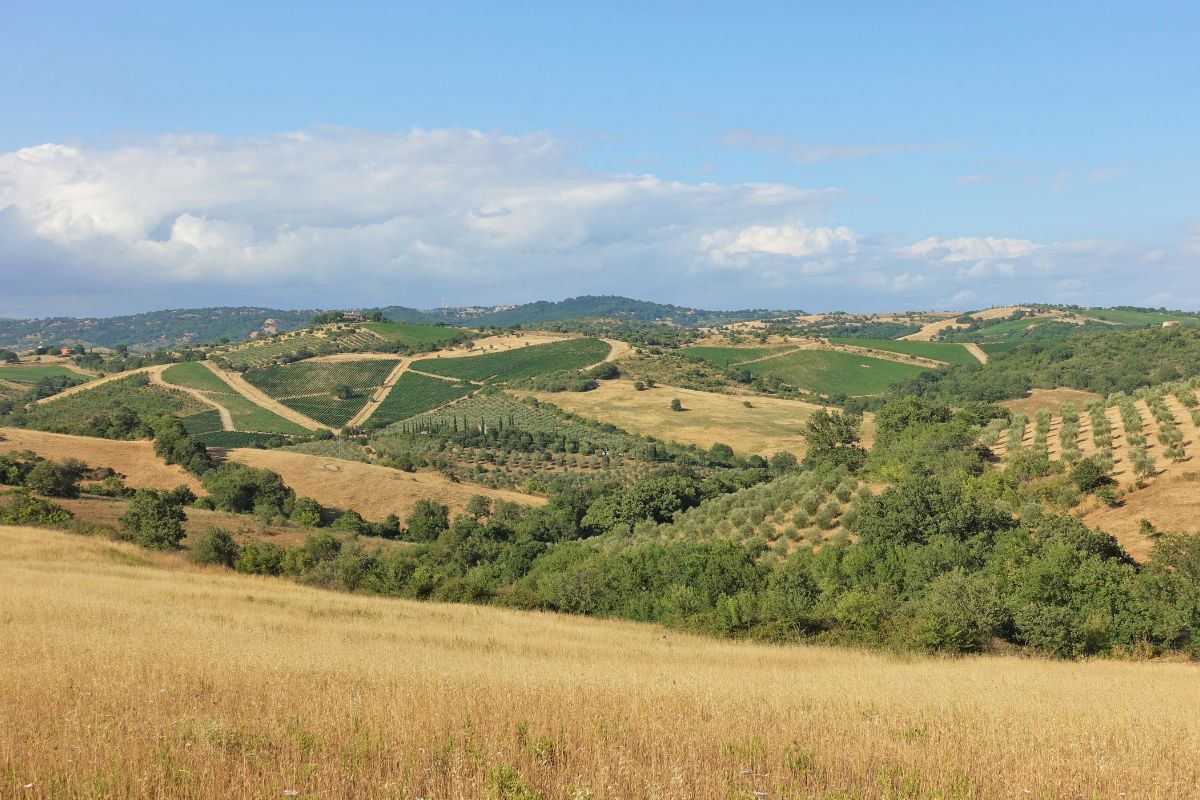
(868, 156)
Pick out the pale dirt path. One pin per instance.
(260, 398)
(226, 418)
(379, 395)
(976, 351)
(116, 376)
(618, 349)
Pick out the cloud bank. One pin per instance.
(331, 217)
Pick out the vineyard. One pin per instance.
(798, 510)
(106, 409)
(247, 415)
(949, 352)
(525, 362)
(204, 422)
(311, 388)
(415, 394)
(414, 335)
(289, 347)
(729, 356)
(231, 439)
(827, 372)
(32, 373)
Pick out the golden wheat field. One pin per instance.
(129, 674)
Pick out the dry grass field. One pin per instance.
(128, 674)
(371, 490)
(1049, 399)
(135, 460)
(773, 424)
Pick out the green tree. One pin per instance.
(307, 512)
(833, 440)
(427, 521)
(154, 520)
(53, 479)
(215, 546)
(676, 405)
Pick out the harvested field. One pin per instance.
(135, 460)
(1049, 399)
(773, 424)
(1170, 504)
(129, 673)
(369, 489)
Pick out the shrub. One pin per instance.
(676, 405)
(307, 512)
(215, 546)
(242, 489)
(154, 519)
(19, 507)
(53, 479)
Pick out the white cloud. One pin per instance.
(969, 248)
(797, 241)
(335, 217)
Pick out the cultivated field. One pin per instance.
(523, 362)
(369, 489)
(31, 373)
(769, 426)
(308, 387)
(948, 352)
(828, 372)
(132, 674)
(415, 394)
(245, 415)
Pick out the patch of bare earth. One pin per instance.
(135, 460)
(369, 489)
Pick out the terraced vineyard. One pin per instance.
(310, 387)
(524, 362)
(828, 372)
(415, 394)
(799, 510)
(247, 415)
(949, 352)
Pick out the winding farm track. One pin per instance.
(116, 376)
(260, 398)
(156, 377)
(379, 395)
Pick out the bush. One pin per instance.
(53, 479)
(215, 546)
(19, 507)
(307, 512)
(154, 519)
(1089, 474)
(676, 405)
(242, 490)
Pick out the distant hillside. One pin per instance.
(592, 306)
(170, 328)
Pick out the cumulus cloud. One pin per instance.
(335, 217)
(969, 248)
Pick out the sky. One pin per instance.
(817, 156)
